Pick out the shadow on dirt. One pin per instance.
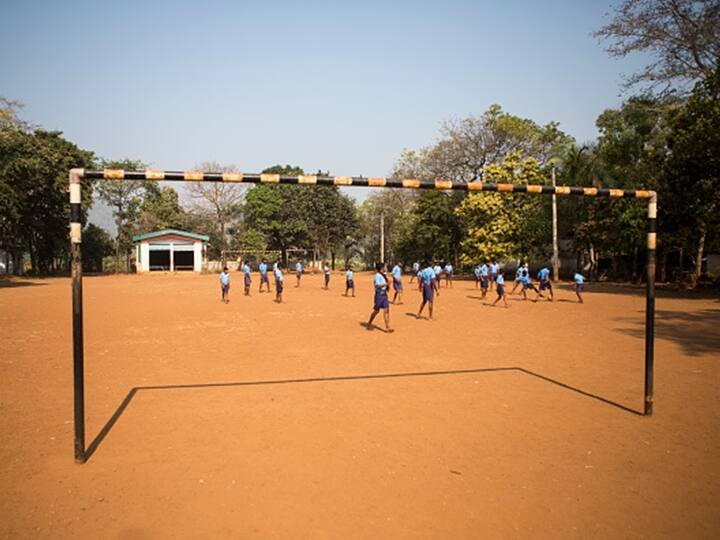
(93, 446)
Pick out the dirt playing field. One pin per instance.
(257, 420)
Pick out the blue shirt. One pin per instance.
(500, 280)
(437, 270)
(484, 270)
(494, 268)
(543, 274)
(477, 271)
(348, 275)
(275, 267)
(448, 268)
(298, 268)
(579, 278)
(327, 270)
(278, 274)
(427, 275)
(263, 268)
(416, 267)
(519, 273)
(246, 269)
(225, 278)
(380, 283)
(396, 272)
(525, 276)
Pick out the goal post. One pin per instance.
(78, 175)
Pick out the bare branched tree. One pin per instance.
(683, 36)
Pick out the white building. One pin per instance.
(169, 250)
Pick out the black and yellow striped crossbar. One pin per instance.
(359, 181)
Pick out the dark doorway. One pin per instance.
(184, 260)
(160, 260)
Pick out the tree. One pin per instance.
(683, 37)
(124, 199)
(217, 199)
(160, 209)
(97, 244)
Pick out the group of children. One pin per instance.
(488, 275)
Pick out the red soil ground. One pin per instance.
(464, 453)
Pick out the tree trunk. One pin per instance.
(332, 258)
(117, 254)
(635, 278)
(662, 267)
(698, 259)
(679, 277)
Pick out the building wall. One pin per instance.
(144, 251)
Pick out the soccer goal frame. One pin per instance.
(78, 175)
(266, 253)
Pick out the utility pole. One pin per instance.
(382, 236)
(555, 256)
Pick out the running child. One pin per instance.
(528, 284)
(349, 282)
(326, 271)
(415, 271)
(246, 278)
(484, 279)
(278, 283)
(518, 277)
(397, 283)
(225, 285)
(426, 283)
(448, 275)
(579, 285)
(262, 268)
(545, 283)
(381, 298)
(500, 289)
(298, 273)
(494, 269)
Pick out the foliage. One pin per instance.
(160, 209)
(97, 244)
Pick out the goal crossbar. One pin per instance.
(77, 175)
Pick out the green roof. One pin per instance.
(140, 237)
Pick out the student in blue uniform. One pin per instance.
(415, 271)
(527, 283)
(484, 278)
(545, 283)
(278, 283)
(298, 273)
(381, 298)
(448, 275)
(397, 283)
(426, 282)
(225, 286)
(438, 272)
(246, 278)
(349, 282)
(262, 268)
(579, 285)
(500, 289)
(326, 271)
(476, 271)
(519, 273)
(494, 269)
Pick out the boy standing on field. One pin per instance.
(326, 271)
(246, 278)
(381, 298)
(426, 282)
(298, 273)
(500, 289)
(263, 275)
(579, 285)
(448, 275)
(397, 282)
(278, 283)
(415, 270)
(349, 282)
(494, 269)
(225, 285)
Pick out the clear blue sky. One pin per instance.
(343, 86)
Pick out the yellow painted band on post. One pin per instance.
(270, 178)
(652, 240)
(75, 193)
(377, 182)
(534, 189)
(475, 186)
(232, 177)
(642, 194)
(443, 184)
(505, 188)
(76, 233)
(616, 193)
(342, 181)
(411, 183)
(590, 191)
(652, 210)
(154, 175)
(113, 174)
(312, 179)
(562, 190)
(193, 176)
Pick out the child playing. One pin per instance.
(263, 276)
(349, 282)
(545, 283)
(427, 284)
(298, 273)
(246, 278)
(494, 269)
(518, 277)
(500, 289)
(484, 279)
(278, 283)
(579, 285)
(438, 272)
(381, 298)
(476, 271)
(448, 275)
(225, 285)
(397, 283)
(326, 270)
(415, 271)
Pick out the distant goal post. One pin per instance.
(76, 177)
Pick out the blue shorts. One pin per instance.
(225, 288)
(493, 277)
(278, 286)
(397, 285)
(264, 279)
(247, 280)
(448, 275)
(381, 301)
(327, 279)
(349, 284)
(501, 290)
(299, 274)
(579, 287)
(527, 285)
(545, 285)
(428, 292)
(484, 282)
